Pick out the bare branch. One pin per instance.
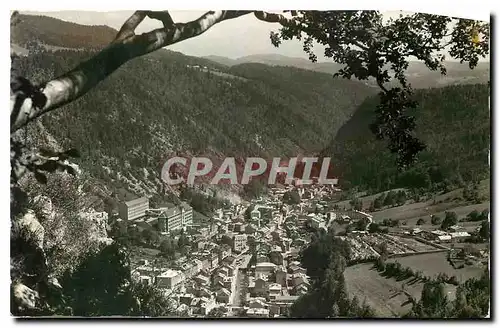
(128, 28)
(272, 18)
(126, 46)
(162, 16)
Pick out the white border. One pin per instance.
(478, 9)
(475, 9)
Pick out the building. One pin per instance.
(274, 290)
(169, 279)
(459, 236)
(223, 295)
(257, 313)
(224, 251)
(281, 305)
(260, 287)
(276, 256)
(316, 221)
(175, 218)
(281, 276)
(239, 242)
(187, 214)
(255, 217)
(443, 238)
(265, 268)
(133, 209)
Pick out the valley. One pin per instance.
(375, 240)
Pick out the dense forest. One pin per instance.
(454, 123)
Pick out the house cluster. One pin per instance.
(199, 282)
(273, 288)
(243, 262)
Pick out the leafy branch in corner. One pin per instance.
(372, 48)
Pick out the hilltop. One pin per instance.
(418, 74)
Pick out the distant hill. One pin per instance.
(453, 121)
(279, 60)
(418, 74)
(55, 32)
(222, 60)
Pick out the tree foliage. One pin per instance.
(450, 219)
(371, 48)
(472, 300)
(325, 259)
(435, 220)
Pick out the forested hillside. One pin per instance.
(454, 122)
(167, 102)
(57, 33)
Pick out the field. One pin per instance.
(434, 263)
(411, 245)
(384, 295)
(411, 212)
(364, 246)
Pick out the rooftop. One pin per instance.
(136, 201)
(169, 273)
(265, 264)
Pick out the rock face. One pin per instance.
(52, 232)
(98, 226)
(46, 209)
(31, 229)
(25, 297)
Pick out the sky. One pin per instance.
(233, 38)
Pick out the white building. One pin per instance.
(133, 209)
(239, 242)
(264, 268)
(169, 279)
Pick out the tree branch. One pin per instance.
(126, 46)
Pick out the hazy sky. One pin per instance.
(233, 38)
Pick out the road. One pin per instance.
(241, 281)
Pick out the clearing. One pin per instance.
(384, 295)
(434, 263)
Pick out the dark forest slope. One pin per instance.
(453, 121)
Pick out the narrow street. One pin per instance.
(241, 283)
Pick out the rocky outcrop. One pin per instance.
(98, 224)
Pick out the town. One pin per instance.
(244, 261)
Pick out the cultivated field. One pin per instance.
(384, 295)
(411, 245)
(411, 212)
(434, 263)
(365, 246)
